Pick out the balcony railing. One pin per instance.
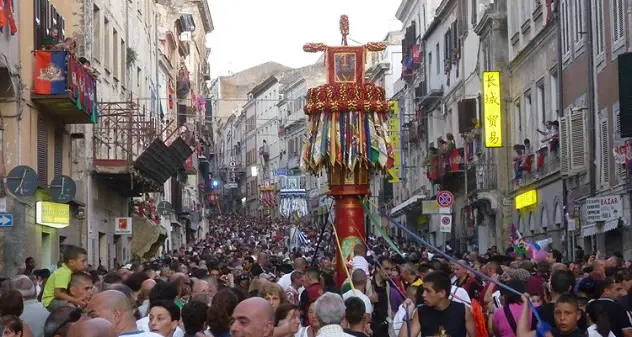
(445, 168)
(481, 176)
(534, 167)
(64, 88)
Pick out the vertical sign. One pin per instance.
(491, 107)
(395, 140)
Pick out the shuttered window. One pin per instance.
(42, 150)
(619, 167)
(618, 23)
(598, 31)
(58, 154)
(604, 154)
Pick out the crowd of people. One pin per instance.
(243, 280)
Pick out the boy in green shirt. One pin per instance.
(56, 288)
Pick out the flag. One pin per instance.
(50, 72)
(302, 239)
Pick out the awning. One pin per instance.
(594, 229)
(147, 237)
(407, 205)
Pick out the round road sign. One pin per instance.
(446, 220)
(445, 198)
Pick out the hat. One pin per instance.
(516, 274)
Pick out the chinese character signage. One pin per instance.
(492, 123)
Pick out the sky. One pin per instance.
(251, 32)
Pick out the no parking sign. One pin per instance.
(445, 225)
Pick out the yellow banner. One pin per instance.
(491, 107)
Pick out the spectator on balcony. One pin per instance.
(51, 39)
(522, 162)
(528, 149)
(551, 135)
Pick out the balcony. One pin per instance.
(481, 176)
(206, 72)
(427, 97)
(191, 165)
(529, 169)
(183, 83)
(446, 167)
(63, 88)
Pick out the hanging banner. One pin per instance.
(394, 129)
(492, 124)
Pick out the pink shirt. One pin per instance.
(500, 320)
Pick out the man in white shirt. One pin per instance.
(359, 261)
(286, 280)
(359, 279)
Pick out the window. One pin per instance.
(566, 27)
(517, 123)
(618, 23)
(123, 63)
(115, 53)
(540, 104)
(598, 29)
(46, 18)
(619, 168)
(96, 33)
(555, 89)
(106, 44)
(514, 16)
(529, 116)
(578, 17)
(438, 53)
(604, 153)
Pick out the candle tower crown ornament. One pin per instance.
(347, 135)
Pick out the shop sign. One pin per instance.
(394, 129)
(604, 209)
(52, 214)
(492, 124)
(526, 199)
(432, 207)
(123, 226)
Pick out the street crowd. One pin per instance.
(245, 280)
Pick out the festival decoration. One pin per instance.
(346, 135)
(292, 197)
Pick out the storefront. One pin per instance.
(605, 224)
(538, 214)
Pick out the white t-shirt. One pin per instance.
(459, 294)
(357, 293)
(285, 281)
(143, 324)
(359, 262)
(398, 320)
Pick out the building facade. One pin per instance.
(80, 137)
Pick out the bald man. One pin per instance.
(182, 282)
(96, 327)
(115, 307)
(253, 317)
(143, 296)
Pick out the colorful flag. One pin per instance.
(50, 72)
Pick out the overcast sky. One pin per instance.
(250, 32)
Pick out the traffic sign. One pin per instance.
(6, 220)
(445, 226)
(445, 198)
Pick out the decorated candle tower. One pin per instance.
(347, 136)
